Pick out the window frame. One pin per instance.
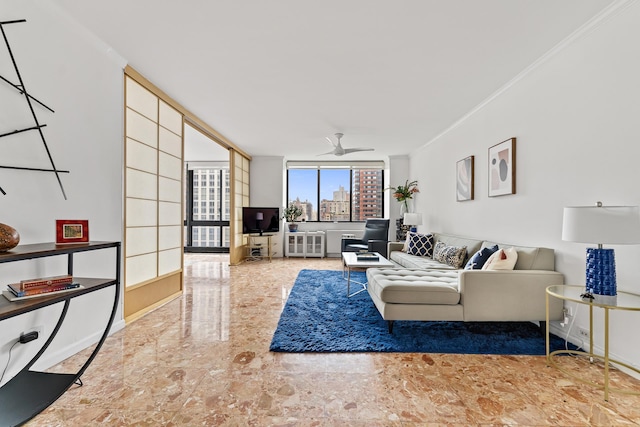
(351, 166)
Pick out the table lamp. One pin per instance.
(412, 219)
(601, 224)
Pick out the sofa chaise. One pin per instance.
(422, 288)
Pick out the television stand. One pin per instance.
(259, 247)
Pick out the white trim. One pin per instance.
(82, 31)
(597, 349)
(300, 164)
(51, 359)
(613, 9)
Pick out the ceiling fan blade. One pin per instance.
(333, 144)
(354, 150)
(324, 154)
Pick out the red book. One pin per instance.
(41, 291)
(44, 282)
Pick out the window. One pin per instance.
(208, 216)
(336, 191)
(335, 195)
(303, 191)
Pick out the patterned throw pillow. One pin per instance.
(405, 248)
(450, 255)
(420, 244)
(479, 258)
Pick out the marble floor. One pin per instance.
(203, 360)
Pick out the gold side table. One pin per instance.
(623, 301)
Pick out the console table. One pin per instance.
(30, 392)
(624, 301)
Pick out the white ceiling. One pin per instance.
(275, 77)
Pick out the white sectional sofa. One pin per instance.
(421, 288)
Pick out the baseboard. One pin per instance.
(556, 329)
(50, 359)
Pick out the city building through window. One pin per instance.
(335, 192)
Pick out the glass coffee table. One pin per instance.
(350, 261)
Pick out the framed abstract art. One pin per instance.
(464, 179)
(502, 168)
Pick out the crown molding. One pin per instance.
(613, 9)
(84, 33)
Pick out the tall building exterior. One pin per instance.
(211, 203)
(361, 199)
(367, 194)
(337, 209)
(308, 213)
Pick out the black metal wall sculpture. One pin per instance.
(20, 87)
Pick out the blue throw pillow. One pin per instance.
(420, 244)
(479, 258)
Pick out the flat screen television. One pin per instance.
(260, 220)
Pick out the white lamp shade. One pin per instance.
(601, 224)
(412, 219)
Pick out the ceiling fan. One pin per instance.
(337, 147)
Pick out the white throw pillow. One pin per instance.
(503, 259)
(405, 248)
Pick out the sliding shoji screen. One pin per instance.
(240, 189)
(153, 208)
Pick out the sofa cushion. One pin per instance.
(479, 258)
(450, 255)
(414, 286)
(473, 245)
(503, 259)
(420, 244)
(403, 259)
(530, 258)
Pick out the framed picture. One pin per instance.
(72, 231)
(502, 168)
(464, 179)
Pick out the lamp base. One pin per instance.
(601, 272)
(413, 229)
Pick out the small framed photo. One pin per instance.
(72, 231)
(464, 179)
(502, 168)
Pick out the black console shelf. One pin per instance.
(30, 392)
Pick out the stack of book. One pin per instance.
(43, 285)
(367, 256)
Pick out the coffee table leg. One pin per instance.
(349, 294)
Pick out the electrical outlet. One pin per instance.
(583, 333)
(569, 311)
(38, 329)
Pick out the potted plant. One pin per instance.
(291, 215)
(404, 193)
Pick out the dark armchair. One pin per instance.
(375, 238)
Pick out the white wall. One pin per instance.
(575, 118)
(83, 82)
(266, 189)
(398, 174)
(200, 148)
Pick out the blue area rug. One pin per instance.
(318, 317)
